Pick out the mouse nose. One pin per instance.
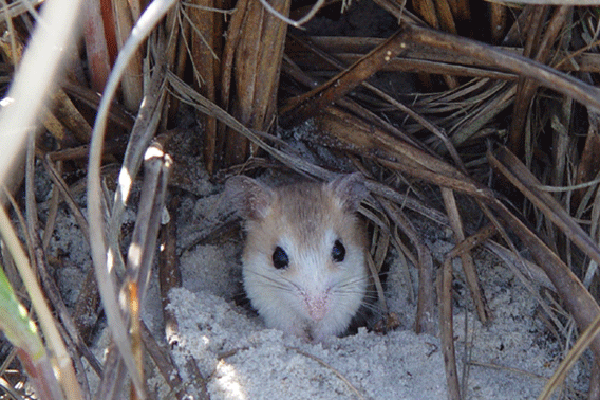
(316, 307)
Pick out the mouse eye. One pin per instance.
(280, 259)
(338, 251)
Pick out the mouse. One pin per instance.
(304, 262)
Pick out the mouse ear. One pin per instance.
(248, 197)
(350, 189)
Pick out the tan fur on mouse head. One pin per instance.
(252, 199)
(303, 212)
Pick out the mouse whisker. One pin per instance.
(270, 281)
(353, 283)
(281, 282)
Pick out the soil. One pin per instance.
(509, 358)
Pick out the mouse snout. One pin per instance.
(316, 306)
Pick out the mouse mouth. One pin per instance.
(309, 332)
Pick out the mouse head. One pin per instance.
(304, 259)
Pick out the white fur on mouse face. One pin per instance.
(304, 260)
